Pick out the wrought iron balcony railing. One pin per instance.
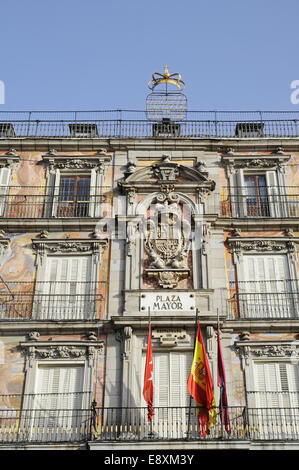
(44, 418)
(31, 202)
(277, 202)
(55, 418)
(181, 423)
(260, 300)
(133, 124)
(52, 300)
(39, 202)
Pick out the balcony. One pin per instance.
(279, 202)
(180, 423)
(134, 124)
(30, 202)
(45, 418)
(50, 301)
(262, 300)
(43, 424)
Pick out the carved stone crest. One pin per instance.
(167, 242)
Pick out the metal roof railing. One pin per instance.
(133, 124)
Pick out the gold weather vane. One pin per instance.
(174, 79)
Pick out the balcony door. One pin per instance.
(57, 403)
(171, 397)
(4, 182)
(274, 404)
(74, 196)
(66, 294)
(257, 202)
(266, 291)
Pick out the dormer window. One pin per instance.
(83, 130)
(7, 130)
(249, 129)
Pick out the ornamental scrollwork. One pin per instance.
(167, 242)
(39, 352)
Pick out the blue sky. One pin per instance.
(100, 54)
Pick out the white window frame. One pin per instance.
(239, 247)
(58, 354)
(74, 165)
(271, 166)
(64, 248)
(262, 420)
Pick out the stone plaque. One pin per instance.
(167, 302)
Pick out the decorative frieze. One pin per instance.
(58, 351)
(234, 162)
(249, 350)
(44, 247)
(238, 246)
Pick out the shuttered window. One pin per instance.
(171, 397)
(4, 186)
(58, 399)
(276, 384)
(256, 195)
(171, 371)
(267, 289)
(67, 290)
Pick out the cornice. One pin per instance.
(72, 245)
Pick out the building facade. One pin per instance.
(109, 223)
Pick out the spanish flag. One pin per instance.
(200, 386)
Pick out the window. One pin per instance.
(257, 203)
(4, 187)
(74, 196)
(67, 283)
(74, 184)
(171, 397)
(266, 290)
(57, 402)
(276, 391)
(67, 291)
(257, 195)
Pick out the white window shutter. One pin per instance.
(68, 287)
(4, 188)
(58, 389)
(273, 194)
(267, 285)
(171, 371)
(92, 195)
(56, 193)
(239, 196)
(276, 384)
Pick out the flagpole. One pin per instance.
(150, 329)
(190, 399)
(221, 387)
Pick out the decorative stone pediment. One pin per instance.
(65, 246)
(45, 246)
(165, 174)
(9, 160)
(61, 351)
(234, 161)
(74, 162)
(252, 350)
(238, 245)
